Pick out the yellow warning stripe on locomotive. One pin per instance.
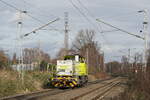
(64, 82)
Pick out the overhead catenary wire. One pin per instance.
(94, 17)
(108, 31)
(116, 29)
(20, 10)
(122, 30)
(111, 17)
(101, 32)
(40, 14)
(25, 12)
(10, 5)
(34, 31)
(88, 12)
(121, 15)
(85, 8)
(89, 21)
(78, 9)
(39, 10)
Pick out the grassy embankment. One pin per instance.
(11, 83)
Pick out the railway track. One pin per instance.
(51, 92)
(106, 90)
(30, 96)
(99, 95)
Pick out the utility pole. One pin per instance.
(66, 37)
(129, 54)
(39, 51)
(145, 29)
(19, 24)
(146, 36)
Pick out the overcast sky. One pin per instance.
(121, 13)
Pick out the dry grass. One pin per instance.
(11, 83)
(97, 76)
(91, 78)
(101, 75)
(138, 88)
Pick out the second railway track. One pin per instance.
(99, 95)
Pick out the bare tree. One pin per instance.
(86, 46)
(113, 67)
(148, 65)
(83, 38)
(3, 59)
(14, 59)
(34, 55)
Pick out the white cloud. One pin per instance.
(46, 10)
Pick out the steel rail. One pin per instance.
(101, 95)
(107, 86)
(47, 92)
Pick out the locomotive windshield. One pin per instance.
(69, 57)
(72, 57)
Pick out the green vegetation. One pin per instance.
(11, 83)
